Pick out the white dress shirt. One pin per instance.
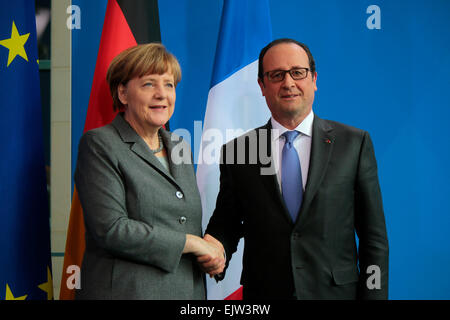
(302, 143)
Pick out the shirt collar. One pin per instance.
(305, 127)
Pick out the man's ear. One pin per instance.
(261, 85)
(122, 94)
(315, 81)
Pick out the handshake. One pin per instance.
(209, 252)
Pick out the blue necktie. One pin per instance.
(291, 175)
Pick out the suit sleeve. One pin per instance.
(226, 222)
(370, 226)
(103, 199)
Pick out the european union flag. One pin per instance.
(25, 264)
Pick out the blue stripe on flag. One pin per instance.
(237, 45)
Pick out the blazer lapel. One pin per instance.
(321, 149)
(139, 147)
(175, 169)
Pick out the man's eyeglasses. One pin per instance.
(278, 75)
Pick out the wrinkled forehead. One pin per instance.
(285, 56)
(159, 68)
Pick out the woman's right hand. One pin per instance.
(209, 253)
(199, 247)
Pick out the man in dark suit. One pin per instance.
(298, 193)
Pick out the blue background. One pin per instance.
(393, 82)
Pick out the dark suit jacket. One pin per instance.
(137, 215)
(317, 256)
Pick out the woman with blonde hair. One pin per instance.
(142, 210)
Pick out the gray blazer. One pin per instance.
(136, 216)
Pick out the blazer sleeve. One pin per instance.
(103, 198)
(370, 225)
(226, 222)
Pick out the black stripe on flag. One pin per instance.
(143, 18)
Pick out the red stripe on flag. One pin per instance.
(116, 37)
(237, 295)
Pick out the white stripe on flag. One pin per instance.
(234, 103)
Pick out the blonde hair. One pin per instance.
(138, 61)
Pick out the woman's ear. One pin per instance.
(122, 94)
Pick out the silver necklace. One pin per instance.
(161, 146)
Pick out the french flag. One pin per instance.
(235, 105)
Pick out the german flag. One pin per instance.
(126, 24)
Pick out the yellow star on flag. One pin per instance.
(48, 286)
(10, 296)
(15, 44)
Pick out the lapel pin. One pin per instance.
(328, 141)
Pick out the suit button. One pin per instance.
(295, 236)
(182, 219)
(179, 194)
